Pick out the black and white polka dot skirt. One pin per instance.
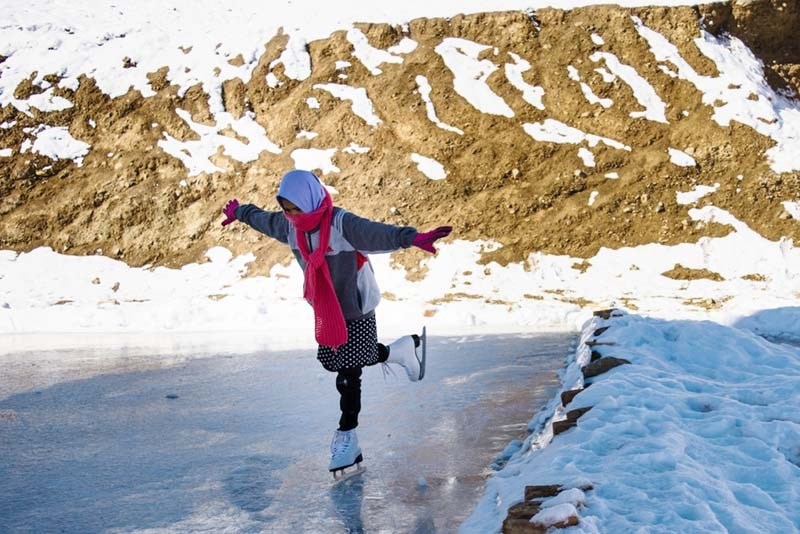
(360, 350)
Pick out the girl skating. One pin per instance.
(331, 245)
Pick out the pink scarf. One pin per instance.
(329, 326)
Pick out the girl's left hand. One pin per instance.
(230, 212)
(425, 240)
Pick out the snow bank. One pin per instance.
(43, 292)
(698, 434)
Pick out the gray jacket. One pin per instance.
(352, 239)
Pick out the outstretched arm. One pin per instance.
(371, 236)
(270, 223)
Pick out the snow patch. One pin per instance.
(429, 167)
(573, 496)
(360, 102)
(690, 197)
(424, 89)
(55, 142)
(48, 102)
(406, 46)
(792, 208)
(729, 94)
(607, 76)
(680, 158)
(586, 156)
(354, 148)
(310, 159)
(367, 54)
(587, 91)
(643, 92)
(470, 75)
(552, 515)
(553, 131)
(195, 153)
(273, 81)
(295, 59)
(532, 94)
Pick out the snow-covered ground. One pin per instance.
(43, 292)
(700, 433)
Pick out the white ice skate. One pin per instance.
(345, 452)
(409, 353)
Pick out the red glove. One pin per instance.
(425, 241)
(230, 212)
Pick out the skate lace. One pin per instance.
(387, 371)
(340, 442)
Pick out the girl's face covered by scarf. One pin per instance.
(304, 200)
(288, 207)
(301, 189)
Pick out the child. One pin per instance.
(331, 244)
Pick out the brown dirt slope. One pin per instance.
(126, 199)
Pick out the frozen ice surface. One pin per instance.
(239, 441)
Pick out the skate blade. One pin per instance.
(340, 473)
(347, 472)
(424, 355)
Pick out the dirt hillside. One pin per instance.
(127, 199)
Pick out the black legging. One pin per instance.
(348, 383)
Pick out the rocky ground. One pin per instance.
(126, 199)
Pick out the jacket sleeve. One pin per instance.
(271, 223)
(371, 236)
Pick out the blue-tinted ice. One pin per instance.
(239, 442)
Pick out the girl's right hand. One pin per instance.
(230, 211)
